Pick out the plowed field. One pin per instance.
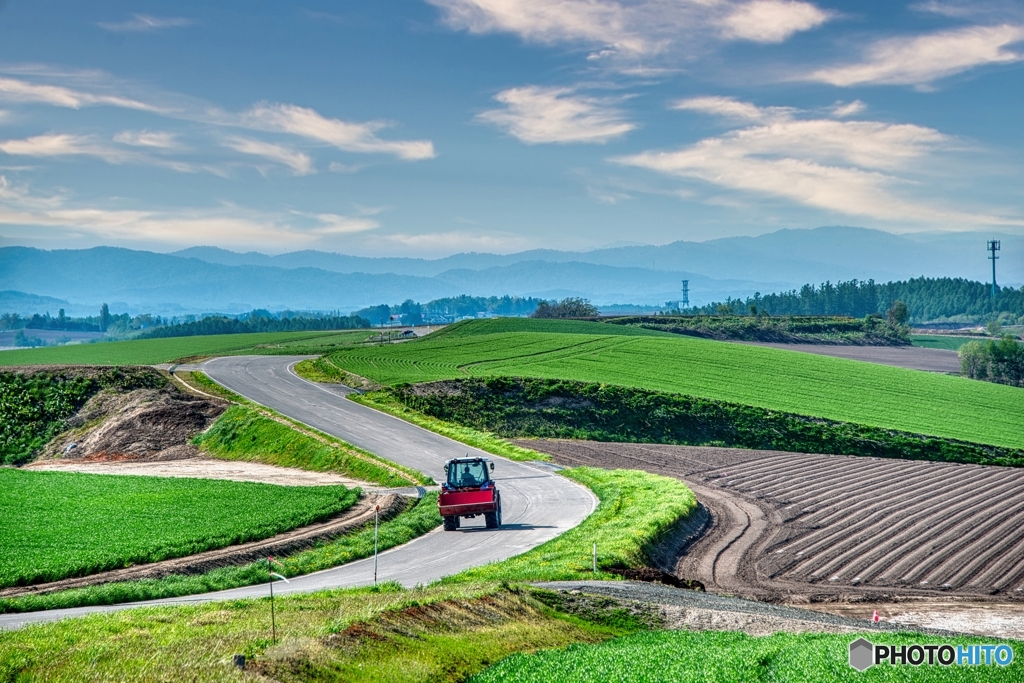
(788, 524)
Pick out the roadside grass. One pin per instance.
(439, 633)
(418, 520)
(941, 341)
(245, 433)
(169, 350)
(484, 440)
(685, 656)
(63, 524)
(635, 511)
(800, 383)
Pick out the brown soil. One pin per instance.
(356, 516)
(912, 357)
(800, 528)
(144, 424)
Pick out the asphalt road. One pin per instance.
(537, 505)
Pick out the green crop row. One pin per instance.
(685, 656)
(61, 524)
(516, 407)
(804, 384)
(415, 522)
(154, 351)
(635, 510)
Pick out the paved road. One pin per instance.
(537, 505)
(911, 357)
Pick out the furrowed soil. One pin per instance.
(837, 530)
(910, 357)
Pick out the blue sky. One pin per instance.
(432, 127)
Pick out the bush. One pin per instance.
(996, 361)
(572, 307)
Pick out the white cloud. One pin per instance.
(336, 167)
(919, 60)
(299, 162)
(16, 90)
(772, 21)
(334, 224)
(849, 167)
(349, 137)
(619, 30)
(841, 110)
(62, 144)
(537, 114)
(227, 225)
(730, 108)
(143, 22)
(455, 241)
(147, 138)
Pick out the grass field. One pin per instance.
(153, 351)
(61, 524)
(805, 384)
(684, 656)
(941, 341)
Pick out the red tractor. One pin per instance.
(468, 492)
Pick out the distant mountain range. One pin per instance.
(207, 279)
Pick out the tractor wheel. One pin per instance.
(493, 519)
(451, 523)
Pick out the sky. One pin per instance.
(430, 127)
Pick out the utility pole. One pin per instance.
(685, 301)
(993, 247)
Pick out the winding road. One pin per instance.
(537, 505)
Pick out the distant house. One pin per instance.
(405, 334)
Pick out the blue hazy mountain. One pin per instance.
(206, 279)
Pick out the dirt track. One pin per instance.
(795, 527)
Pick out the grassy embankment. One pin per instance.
(684, 656)
(562, 409)
(803, 384)
(64, 524)
(154, 351)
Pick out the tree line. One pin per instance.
(926, 299)
(256, 323)
(996, 361)
(450, 309)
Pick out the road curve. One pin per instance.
(537, 505)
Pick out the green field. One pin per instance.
(153, 351)
(684, 656)
(62, 524)
(941, 341)
(801, 383)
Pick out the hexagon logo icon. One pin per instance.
(862, 652)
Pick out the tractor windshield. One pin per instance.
(467, 473)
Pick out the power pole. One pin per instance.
(993, 247)
(685, 301)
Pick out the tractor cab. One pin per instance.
(469, 491)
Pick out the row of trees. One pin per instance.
(451, 308)
(572, 307)
(996, 361)
(258, 321)
(926, 299)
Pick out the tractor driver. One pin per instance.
(468, 479)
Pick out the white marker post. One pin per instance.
(273, 619)
(376, 512)
(595, 557)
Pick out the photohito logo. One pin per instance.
(864, 654)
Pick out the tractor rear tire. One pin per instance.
(451, 523)
(493, 519)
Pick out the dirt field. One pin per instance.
(202, 468)
(804, 528)
(912, 357)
